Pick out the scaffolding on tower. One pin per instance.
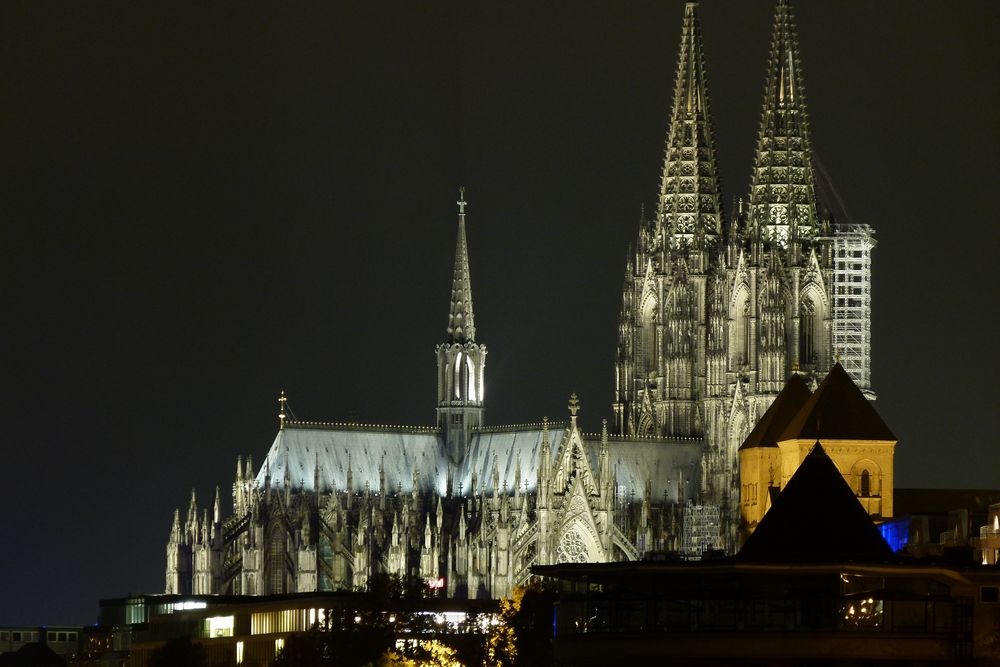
(852, 301)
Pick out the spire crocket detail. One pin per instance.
(689, 209)
(782, 192)
(461, 321)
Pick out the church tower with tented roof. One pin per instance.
(840, 418)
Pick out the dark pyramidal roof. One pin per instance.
(816, 518)
(786, 405)
(837, 410)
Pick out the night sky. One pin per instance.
(202, 203)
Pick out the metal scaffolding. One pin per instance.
(852, 300)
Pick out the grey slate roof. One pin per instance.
(665, 464)
(508, 447)
(295, 449)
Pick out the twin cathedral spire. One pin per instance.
(717, 313)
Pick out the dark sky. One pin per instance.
(202, 203)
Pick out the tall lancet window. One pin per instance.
(807, 332)
(746, 339)
(647, 338)
(471, 378)
(325, 558)
(739, 339)
(457, 382)
(866, 484)
(276, 562)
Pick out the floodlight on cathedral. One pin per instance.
(716, 313)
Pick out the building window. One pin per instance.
(807, 324)
(989, 594)
(72, 636)
(16, 636)
(866, 484)
(276, 575)
(239, 653)
(220, 626)
(62, 637)
(279, 646)
(457, 380)
(3, 636)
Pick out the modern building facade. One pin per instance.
(716, 313)
(252, 630)
(816, 583)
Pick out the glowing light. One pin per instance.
(279, 645)
(188, 604)
(220, 626)
(239, 653)
(472, 378)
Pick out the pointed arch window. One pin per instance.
(647, 338)
(276, 562)
(807, 332)
(457, 381)
(325, 558)
(471, 378)
(745, 339)
(739, 341)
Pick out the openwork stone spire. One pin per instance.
(690, 203)
(461, 322)
(782, 193)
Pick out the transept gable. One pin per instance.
(573, 464)
(578, 536)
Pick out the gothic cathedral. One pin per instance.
(717, 312)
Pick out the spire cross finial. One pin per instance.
(574, 404)
(282, 400)
(461, 200)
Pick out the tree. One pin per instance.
(430, 653)
(524, 634)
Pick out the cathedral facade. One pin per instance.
(716, 312)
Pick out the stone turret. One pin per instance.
(461, 362)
